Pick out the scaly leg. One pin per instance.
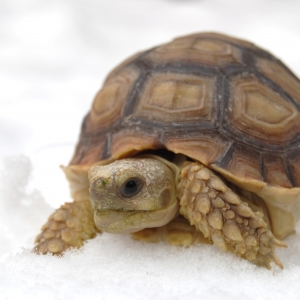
(69, 226)
(178, 233)
(223, 217)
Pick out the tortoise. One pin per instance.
(194, 141)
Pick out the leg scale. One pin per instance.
(69, 226)
(223, 217)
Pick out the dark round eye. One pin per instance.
(131, 187)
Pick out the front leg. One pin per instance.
(223, 217)
(69, 226)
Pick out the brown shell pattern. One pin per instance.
(217, 99)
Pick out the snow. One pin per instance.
(53, 57)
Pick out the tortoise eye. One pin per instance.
(131, 187)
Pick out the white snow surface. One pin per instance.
(54, 55)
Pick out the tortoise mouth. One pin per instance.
(129, 221)
(120, 220)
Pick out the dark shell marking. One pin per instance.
(216, 99)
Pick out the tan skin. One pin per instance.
(180, 202)
(131, 195)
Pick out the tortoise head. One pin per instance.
(131, 194)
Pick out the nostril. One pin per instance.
(99, 183)
(98, 188)
(95, 193)
(104, 182)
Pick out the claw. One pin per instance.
(276, 260)
(277, 243)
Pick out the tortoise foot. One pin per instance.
(69, 226)
(221, 215)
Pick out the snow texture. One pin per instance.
(54, 55)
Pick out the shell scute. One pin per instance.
(219, 100)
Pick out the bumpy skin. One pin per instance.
(69, 226)
(213, 212)
(223, 217)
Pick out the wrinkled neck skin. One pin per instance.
(153, 205)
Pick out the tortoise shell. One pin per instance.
(216, 99)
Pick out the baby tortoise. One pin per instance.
(193, 141)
